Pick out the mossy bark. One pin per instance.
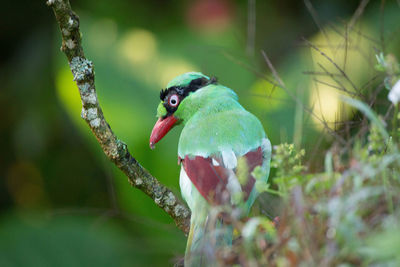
(115, 149)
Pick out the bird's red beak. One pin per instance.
(161, 128)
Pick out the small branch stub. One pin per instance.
(115, 149)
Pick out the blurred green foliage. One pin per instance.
(349, 219)
(289, 167)
(68, 241)
(57, 187)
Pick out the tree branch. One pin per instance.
(114, 148)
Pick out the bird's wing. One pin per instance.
(215, 177)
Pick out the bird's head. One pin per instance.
(171, 110)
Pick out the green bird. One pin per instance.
(220, 146)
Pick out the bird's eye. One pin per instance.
(173, 100)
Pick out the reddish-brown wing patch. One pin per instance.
(211, 180)
(254, 158)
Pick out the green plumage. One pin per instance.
(214, 121)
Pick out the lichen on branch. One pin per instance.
(115, 149)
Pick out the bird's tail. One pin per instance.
(206, 236)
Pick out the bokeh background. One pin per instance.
(62, 203)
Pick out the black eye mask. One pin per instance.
(183, 91)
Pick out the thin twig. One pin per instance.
(320, 73)
(358, 13)
(273, 70)
(251, 26)
(115, 149)
(343, 88)
(333, 86)
(382, 25)
(317, 21)
(249, 67)
(296, 99)
(346, 40)
(333, 63)
(353, 30)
